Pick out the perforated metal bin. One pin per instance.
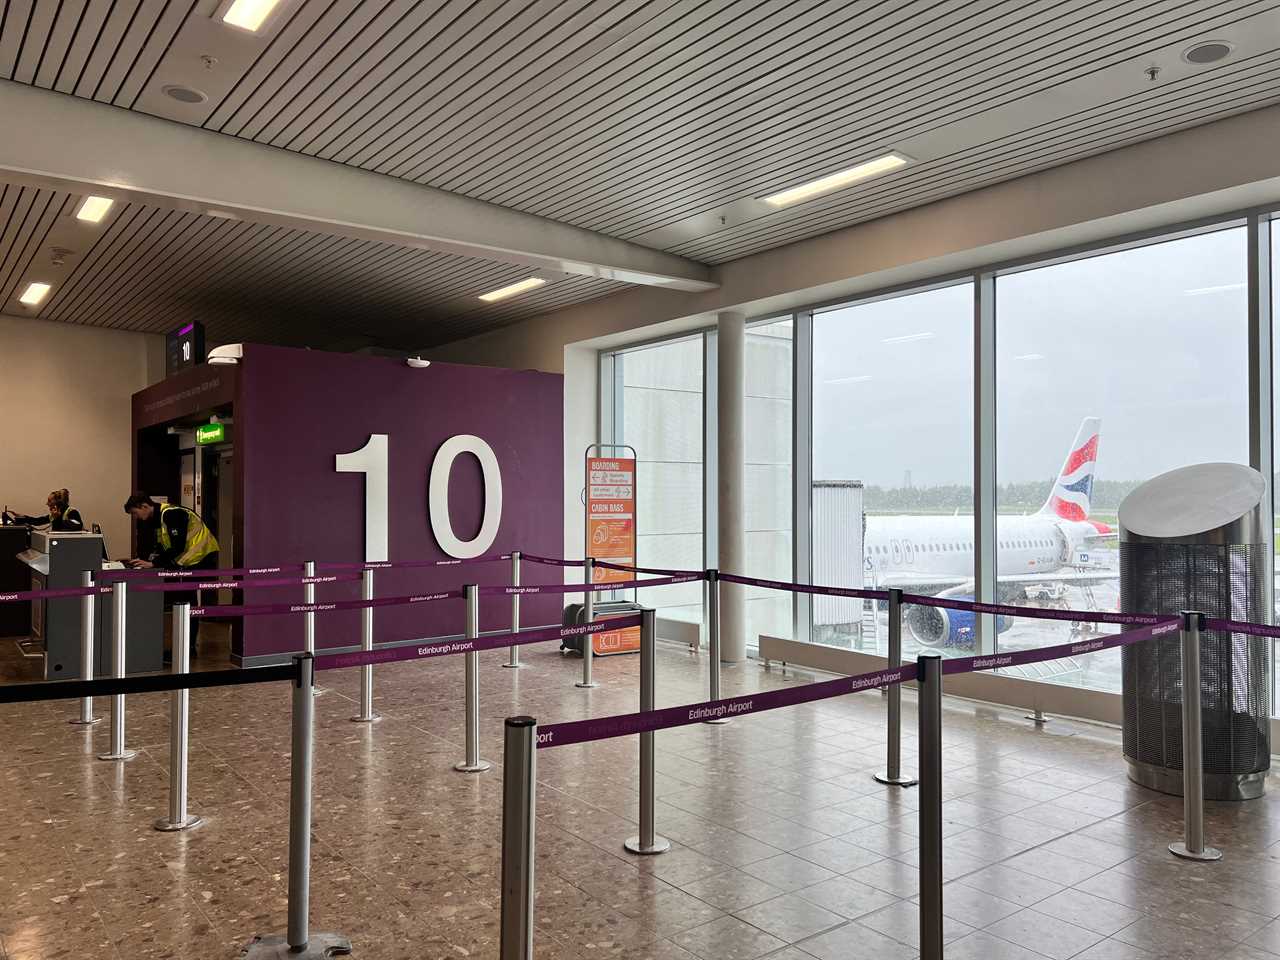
(1192, 539)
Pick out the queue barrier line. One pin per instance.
(1036, 613)
(551, 561)
(189, 585)
(427, 651)
(266, 609)
(192, 574)
(410, 564)
(854, 592)
(521, 590)
(621, 725)
(1241, 626)
(146, 683)
(657, 571)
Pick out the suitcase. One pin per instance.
(609, 642)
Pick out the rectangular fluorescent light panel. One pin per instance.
(93, 209)
(516, 288)
(249, 14)
(836, 181)
(34, 293)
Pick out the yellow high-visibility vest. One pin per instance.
(200, 539)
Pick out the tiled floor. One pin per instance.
(783, 845)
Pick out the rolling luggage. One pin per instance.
(608, 642)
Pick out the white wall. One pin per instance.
(65, 416)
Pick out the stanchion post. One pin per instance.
(366, 714)
(88, 608)
(588, 617)
(1192, 847)
(309, 618)
(179, 709)
(893, 775)
(513, 651)
(120, 621)
(519, 802)
(299, 942)
(713, 639)
(472, 763)
(647, 842)
(929, 685)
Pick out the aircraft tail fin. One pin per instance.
(1072, 492)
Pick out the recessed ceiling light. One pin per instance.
(249, 15)
(516, 288)
(860, 379)
(93, 209)
(872, 168)
(1208, 51)
(34, 293)
(176, 91)
(1029, 356)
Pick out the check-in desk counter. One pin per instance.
(58, 560)
(15, 618)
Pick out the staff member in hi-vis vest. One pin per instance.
(181, 542)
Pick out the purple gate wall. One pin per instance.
(297, 409)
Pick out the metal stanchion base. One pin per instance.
(718, 721)
(165, 825)
(513, 666)
(1038, 718)
(85, 723)
(465, 767)
(586, 686)
(898, 781)
(127, 755)
(372, 718)
(1179, 849)
(660, 845)
(319, 947)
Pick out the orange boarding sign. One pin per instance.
(611, 535)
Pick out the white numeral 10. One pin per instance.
(371, 460)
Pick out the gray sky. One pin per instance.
(1152, 340)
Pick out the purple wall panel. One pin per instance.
(297, 409)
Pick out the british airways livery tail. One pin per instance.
(1073, 490)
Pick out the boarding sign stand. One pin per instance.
(610, 498)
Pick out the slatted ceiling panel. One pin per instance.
(1250, 86)
(150, 269)
(703, 146)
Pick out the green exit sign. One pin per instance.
(211, 433)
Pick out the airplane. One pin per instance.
(1036, 554)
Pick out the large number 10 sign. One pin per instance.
(372, 460)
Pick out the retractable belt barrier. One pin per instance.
(264, 609)
(580, 587)
(658, 571)
(412, 564)
(806, 587)
(132, 574)
(424, 651)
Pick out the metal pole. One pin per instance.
(588, 617)
(366, 714)
(309, 619)
(513, 651)
(929, 708)
(179, 706)
(893, 775)
(300, 757)
(647, 842)
(1192, 845)
(713, 638)
(119, 611)
(87, 609)
(519, 800)
(1036, 716)
(473, 763)
(298, 940)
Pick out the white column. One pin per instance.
(731, 352)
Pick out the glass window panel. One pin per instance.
(1110, 370)
(768, 412)
(893, 437)
(662, 397)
